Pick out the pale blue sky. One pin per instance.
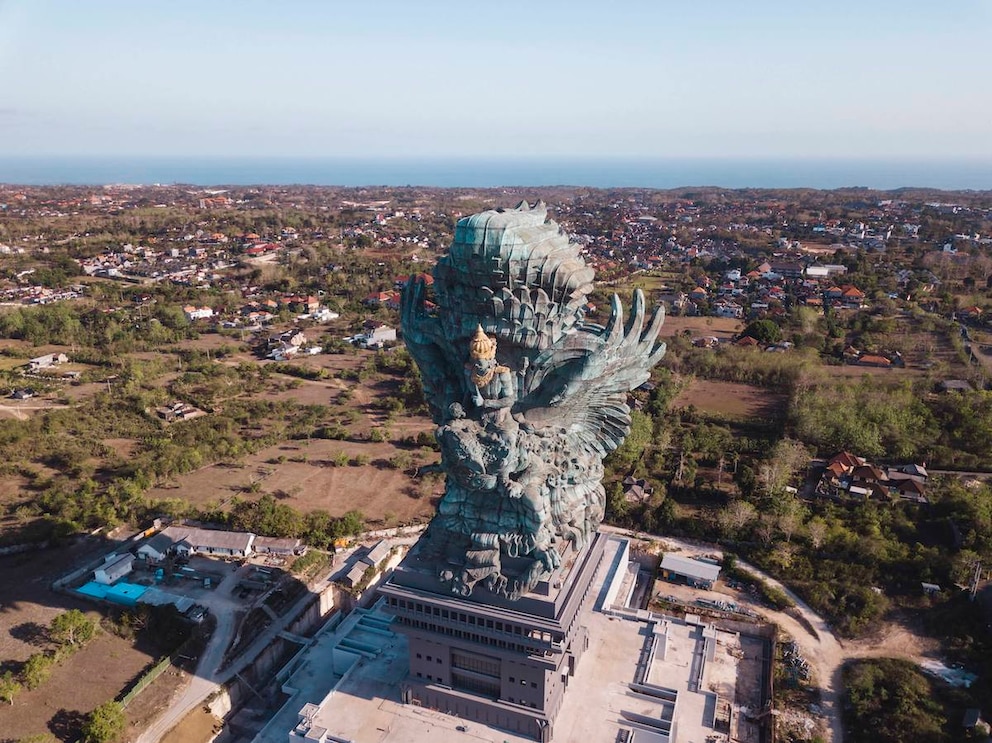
(429, 77)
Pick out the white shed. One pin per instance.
(115, 568)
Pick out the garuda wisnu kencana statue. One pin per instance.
(528, 397)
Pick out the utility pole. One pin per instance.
(976, 576)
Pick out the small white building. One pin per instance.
(728, 309)
(355, 574)
(284, 352)
(157, 548)
(324, 315)
(278, 546)
(191, 540)
(686, 570)
(47, 361)
(197, 313)
(115, 568)
(376, 336)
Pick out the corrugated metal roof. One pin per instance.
(689, 567)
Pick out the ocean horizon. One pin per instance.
(489, 172)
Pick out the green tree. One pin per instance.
(36, 670)
(72, 628)
(764, 331)
(787, 458)
(889, 700)
(105, 724)
(351, 524)
(9, 687)
(735, 516)
(632, 449)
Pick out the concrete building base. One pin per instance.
(486, 659)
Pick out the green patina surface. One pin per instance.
(528, 396)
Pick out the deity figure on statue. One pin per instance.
(490, 385)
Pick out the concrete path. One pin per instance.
(210, 676)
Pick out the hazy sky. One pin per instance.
(431, 77)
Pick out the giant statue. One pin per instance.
(528, 397)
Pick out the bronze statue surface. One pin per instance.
(528, 396)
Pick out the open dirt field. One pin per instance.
(730, 400)
(150, 703)
(199, 725)
(105, 666)
(306, 477)
(374, 489)
(26, 601)
(13, 490)
(719, 327)
(27, 606)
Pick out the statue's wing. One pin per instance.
(425, 341)
(582, 382)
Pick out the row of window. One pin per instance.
(481, 664)
(470, 619)
(429, 658)
(443, 629)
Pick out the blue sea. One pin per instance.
(508, 172)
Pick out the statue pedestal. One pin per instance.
(488, 659)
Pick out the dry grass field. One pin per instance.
(723, 328)
(307, 474)
(307, 479)
(730, 400)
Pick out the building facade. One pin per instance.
(488, 659)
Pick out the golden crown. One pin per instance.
(482, 346)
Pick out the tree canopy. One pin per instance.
(105, 724)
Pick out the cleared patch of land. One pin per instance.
(730, 400)
(27, 604)
(89, 677)
(308, 479)
(723, 328)
(105, 666)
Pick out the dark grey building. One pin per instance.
(486, 658)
